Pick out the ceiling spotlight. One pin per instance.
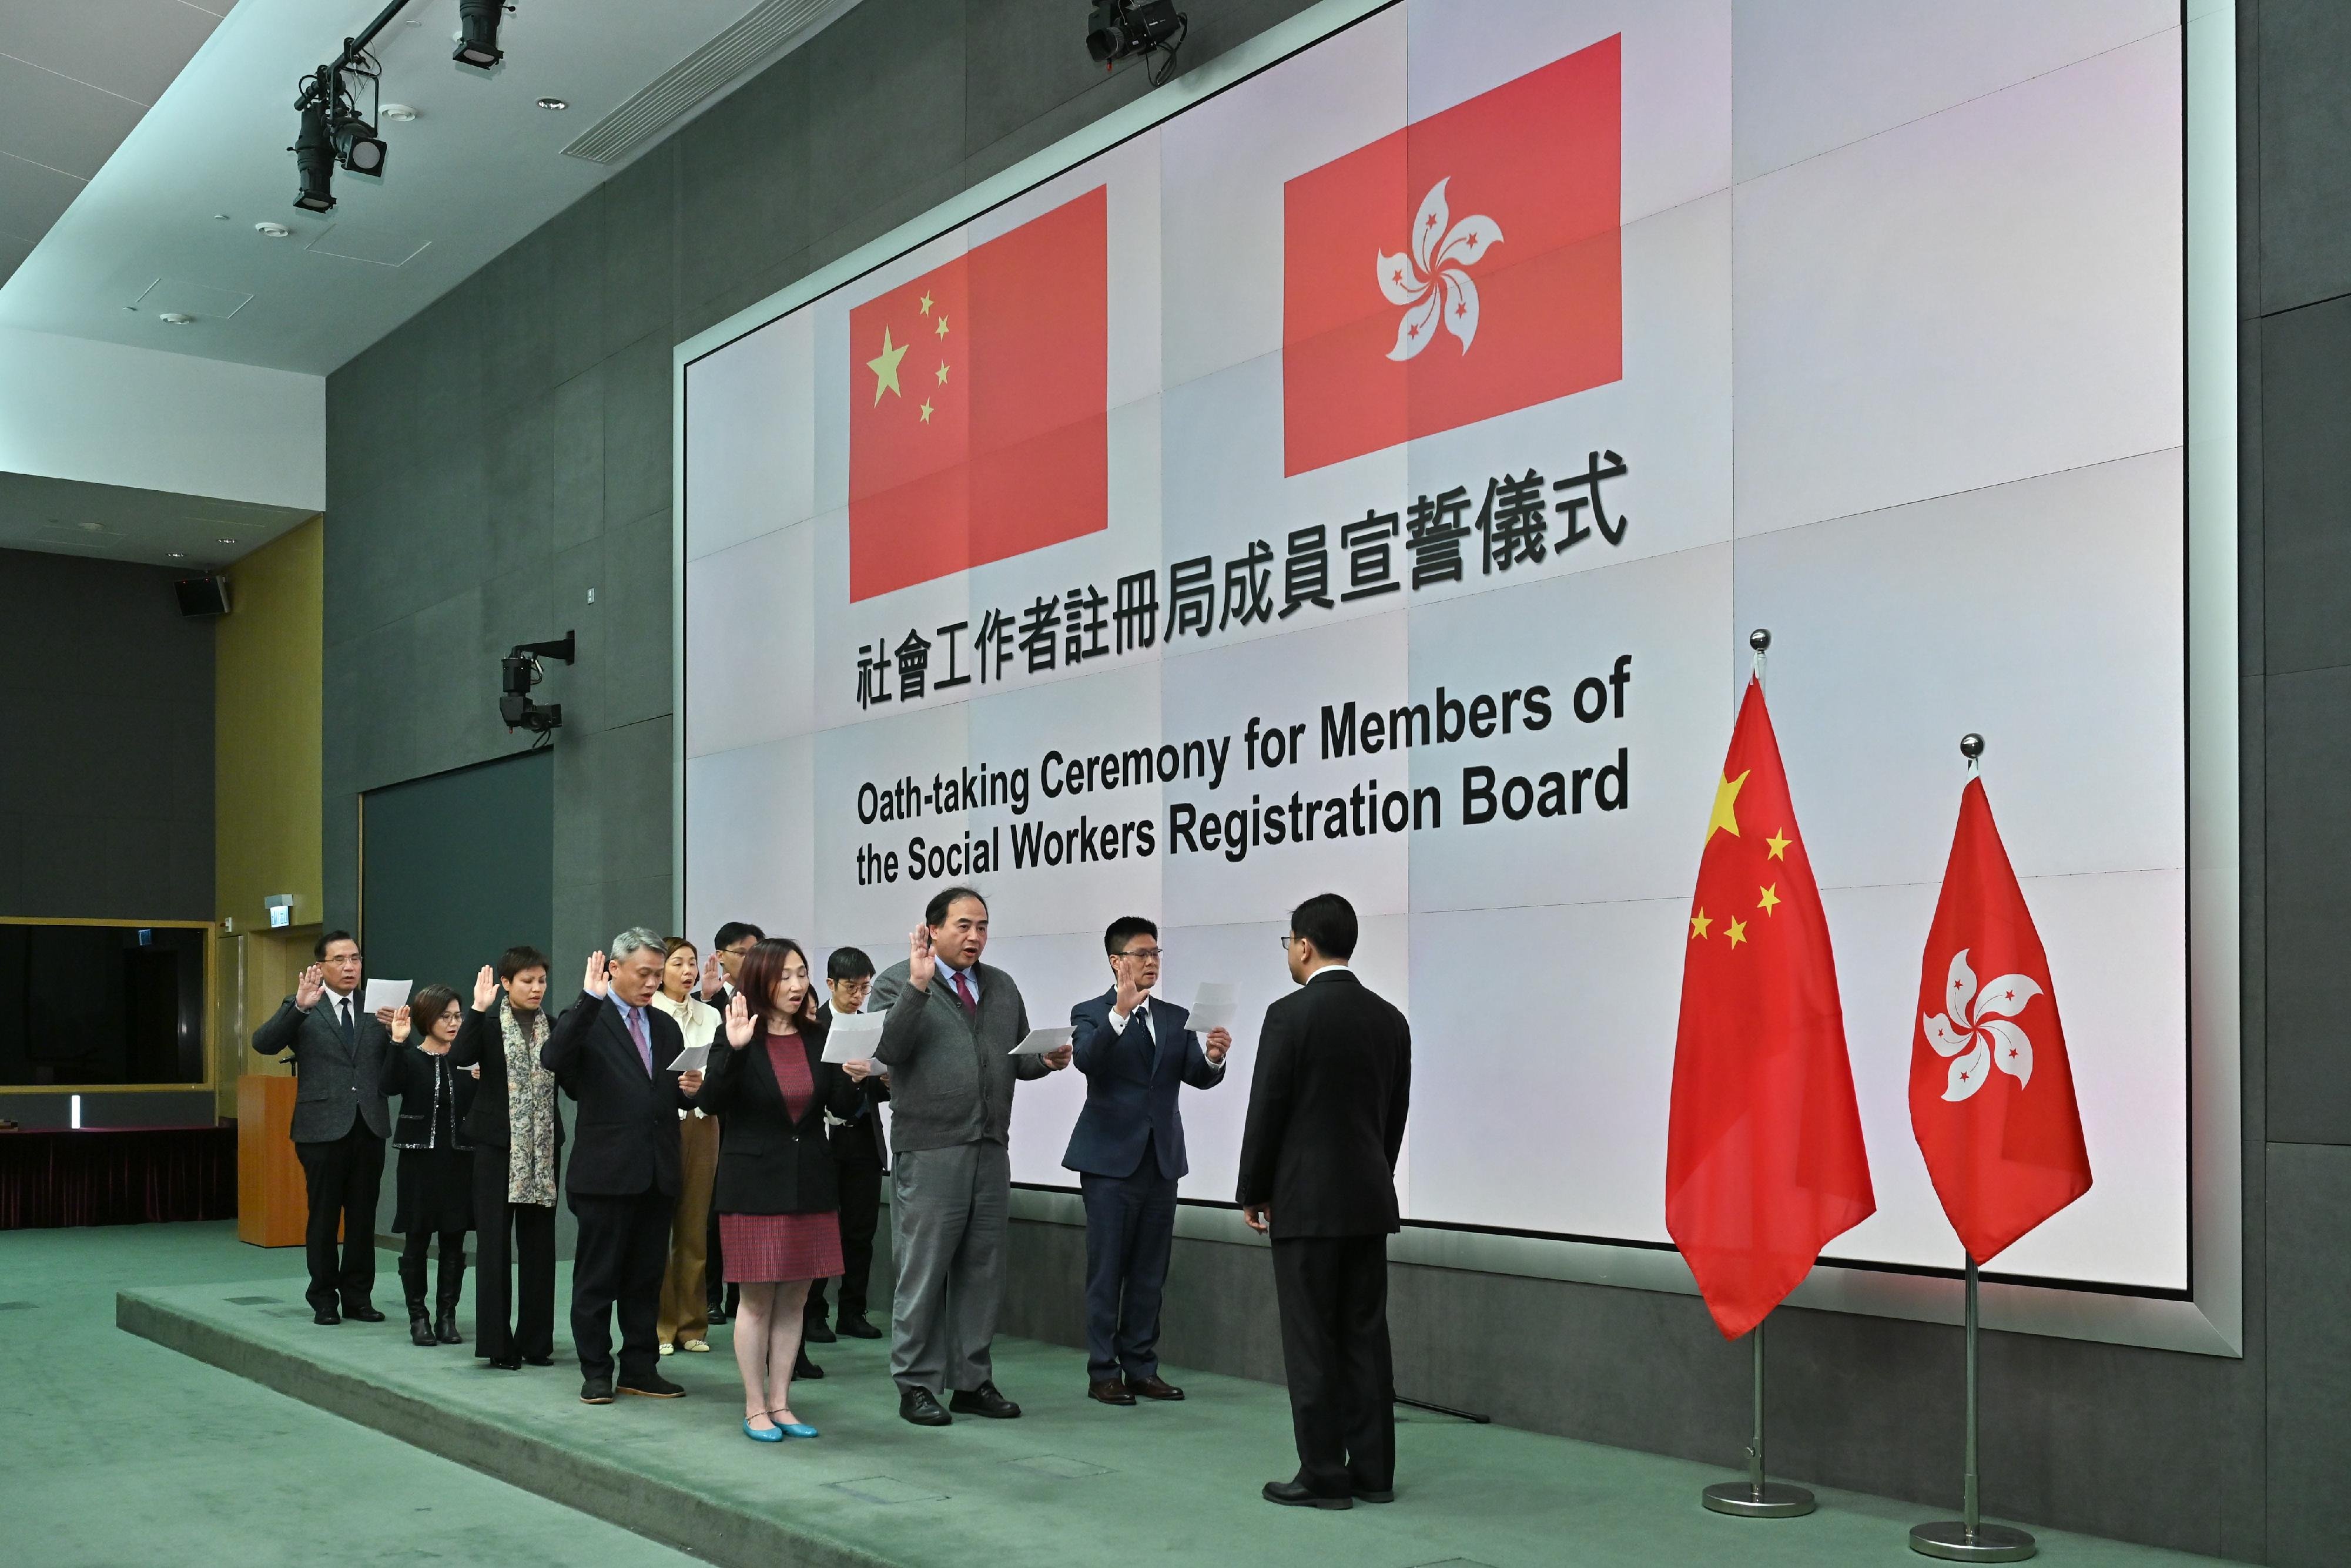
(552, 103)
(314, 159)
(90, 528)
(357, 148)
(1117, 29)
(398, 111)
(177, 555)
(268, 230)
(176, 318)
(224, 541)
(477, 34)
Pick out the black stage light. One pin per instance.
(359, 148)
(1116, 30)
(477, 34)
(314, 160)
(518, 672)
(1106, 38)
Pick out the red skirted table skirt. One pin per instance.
(116, 1176)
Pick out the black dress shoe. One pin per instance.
(596, 1390)
(326, 1316)
(653, 1385)
(983, 1400)
(1152, 1387)
(538, 1361)
(854, 1326)
(1369, 1494)
(816, 1332)
(804, 1369)
(1108, 1391)
(917, 1405)
(716, 1311)
(363, 1313)
(507, 1362)
(1290, 1494)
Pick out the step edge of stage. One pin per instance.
(668, 1515)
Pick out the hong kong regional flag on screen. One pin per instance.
(978, 427)
(1456, 269)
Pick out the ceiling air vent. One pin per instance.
(765, 31)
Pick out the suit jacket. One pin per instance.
(768, 1161)
(626, 1142)
(1133, 1086)
(340, 1084)
(865, 1122)
(951, 1079)
(426, 1122)
(1327, 1109)
(483, 1040)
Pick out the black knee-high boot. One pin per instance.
(453, 1283)
(411, 1285)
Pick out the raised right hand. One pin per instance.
(920, 962)
(1130, 997)
(739, 1023)
(307, 988)
(486, 989)
(597, 982)
(400, 1024)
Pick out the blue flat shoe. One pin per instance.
(794, 1428)
(772, 1435)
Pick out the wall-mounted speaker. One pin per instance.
(202, 596)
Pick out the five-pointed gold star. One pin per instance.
(1769, 900)
(924, 305)
(1698, 924)
(1726, 799)
(926, 411)
(1736, 931)
(1778, 846)
(885, 369)
(943, 372)
(943, 324)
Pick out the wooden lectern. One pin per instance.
(271, 1204)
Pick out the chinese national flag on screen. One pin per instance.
(977, 395)
(1456, 269)
(1764, 1162)
(1991, 1090)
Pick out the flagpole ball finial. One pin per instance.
(1759, 638)
(1972, 746)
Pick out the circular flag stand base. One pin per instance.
(1772, 1500)
(1954, 1542)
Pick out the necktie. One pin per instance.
(963, 994)
(344, 1003)
(636, 1017)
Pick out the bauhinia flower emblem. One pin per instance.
(1978, 1030)
(1430, 282)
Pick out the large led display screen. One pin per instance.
(1366, 479)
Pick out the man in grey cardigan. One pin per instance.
(948, 1036)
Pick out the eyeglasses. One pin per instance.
(1286, 939)
(1143, 953)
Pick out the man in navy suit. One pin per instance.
(1128, 1152)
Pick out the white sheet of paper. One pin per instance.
(693, 1059)
(1042, 1041)
(384, 994)
(1214, 1006)
(854, 1038)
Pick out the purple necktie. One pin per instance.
(636, 1017)
(963, 995)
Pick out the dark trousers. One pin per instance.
(1332, 1292)
(858, 1165)
(1130, 1230)
(621, 1253)
(342, 1179)
(522, 1234)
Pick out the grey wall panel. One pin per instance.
(2305, 476)
(2305, 122)
(2310, 1332)
(2308, 859)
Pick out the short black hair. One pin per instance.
(1328, 921)
(515, 960)
(1126, 929)
(319, 948)
(849, 963)
(734, 931)
(936, 912)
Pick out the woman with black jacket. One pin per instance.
(778, 1210)
(517, 1130)
(437, 1160)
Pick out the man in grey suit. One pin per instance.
(952, 1022)
(340, 1122)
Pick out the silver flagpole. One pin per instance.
(1756, 1498)
(1969, 1539)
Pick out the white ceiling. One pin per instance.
(167, 224)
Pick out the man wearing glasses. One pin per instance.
(1128, 1152)
(859, 1158)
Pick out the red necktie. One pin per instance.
(963, 995)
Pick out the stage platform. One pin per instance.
(1071, 1485)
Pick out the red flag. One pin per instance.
(977, 404)
(1991, 1090)
(1764, 1162)
(1456, 269)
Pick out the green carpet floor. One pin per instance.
(127, 1452)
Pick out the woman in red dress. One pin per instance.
(777, 1204)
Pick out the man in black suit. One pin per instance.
(611, 1051)
(859, 1157)
(1318, 1172)
(340, 1121)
